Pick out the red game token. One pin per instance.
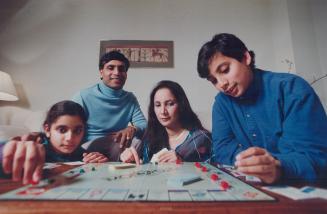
(224, 185)
(178, 161)
(34, 182)
(204, 169)
(214, 177)
(197, 165)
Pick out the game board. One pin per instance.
(148, 182)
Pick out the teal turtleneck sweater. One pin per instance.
(109, 110)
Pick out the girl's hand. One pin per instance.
(94, 157)
(24, 160)
(169, 156)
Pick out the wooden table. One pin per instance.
(282, 205)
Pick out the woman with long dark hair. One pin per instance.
(173, 125)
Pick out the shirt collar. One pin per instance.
(253, 89)
(109, 91)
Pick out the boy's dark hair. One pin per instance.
(228, 45)
(113, 55)
(156, 133)
(62, 108)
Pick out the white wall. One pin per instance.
(51, 48)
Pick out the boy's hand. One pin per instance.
(94, 157)
(260, 163)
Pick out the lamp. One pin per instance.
(7, 88)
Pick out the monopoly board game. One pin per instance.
(148, 182)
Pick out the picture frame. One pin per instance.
(142, 53)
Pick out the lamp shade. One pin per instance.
(7, 88)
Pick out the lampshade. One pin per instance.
(7, 88)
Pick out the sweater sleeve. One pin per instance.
(225, 144)
(302, 147)
(138, 119)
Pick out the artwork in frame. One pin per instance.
(141, 53)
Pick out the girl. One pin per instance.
(64, 128)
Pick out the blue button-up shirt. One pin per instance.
(279, 112)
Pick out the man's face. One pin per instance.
(114, 74)
(230, 76)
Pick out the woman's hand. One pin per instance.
(168, 156)
(130, 155)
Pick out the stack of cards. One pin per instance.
(155, 157)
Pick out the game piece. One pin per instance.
(121, 166)
(197, 165)
(178, 161)
(224, 185)
(214, 177)
(93, 168)
(204, 169)
(183, 179)
(82, 170)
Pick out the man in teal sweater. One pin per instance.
(114, 115)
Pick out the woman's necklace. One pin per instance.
(178, 137)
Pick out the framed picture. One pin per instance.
(154, 54)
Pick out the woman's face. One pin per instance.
(166, 108)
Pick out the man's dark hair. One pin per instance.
(228, 45)
(113, 55)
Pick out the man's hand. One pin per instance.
(130, 155)
(168, 156)
(32, 136)
(124, 136)
(260, 163)
(94, 157)
(24, 160)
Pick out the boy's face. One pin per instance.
(65, 134)
(229, 75)
(114, 74)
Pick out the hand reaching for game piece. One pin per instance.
(260, 163)
(130, 155)
(168, 156)
(94, 157)
(24, 160)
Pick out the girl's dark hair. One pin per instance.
(226, 44)
(156, 133)
(62, 108)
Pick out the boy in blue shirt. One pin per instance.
(270, 125)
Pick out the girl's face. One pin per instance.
(166, 108)
(65, 133)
